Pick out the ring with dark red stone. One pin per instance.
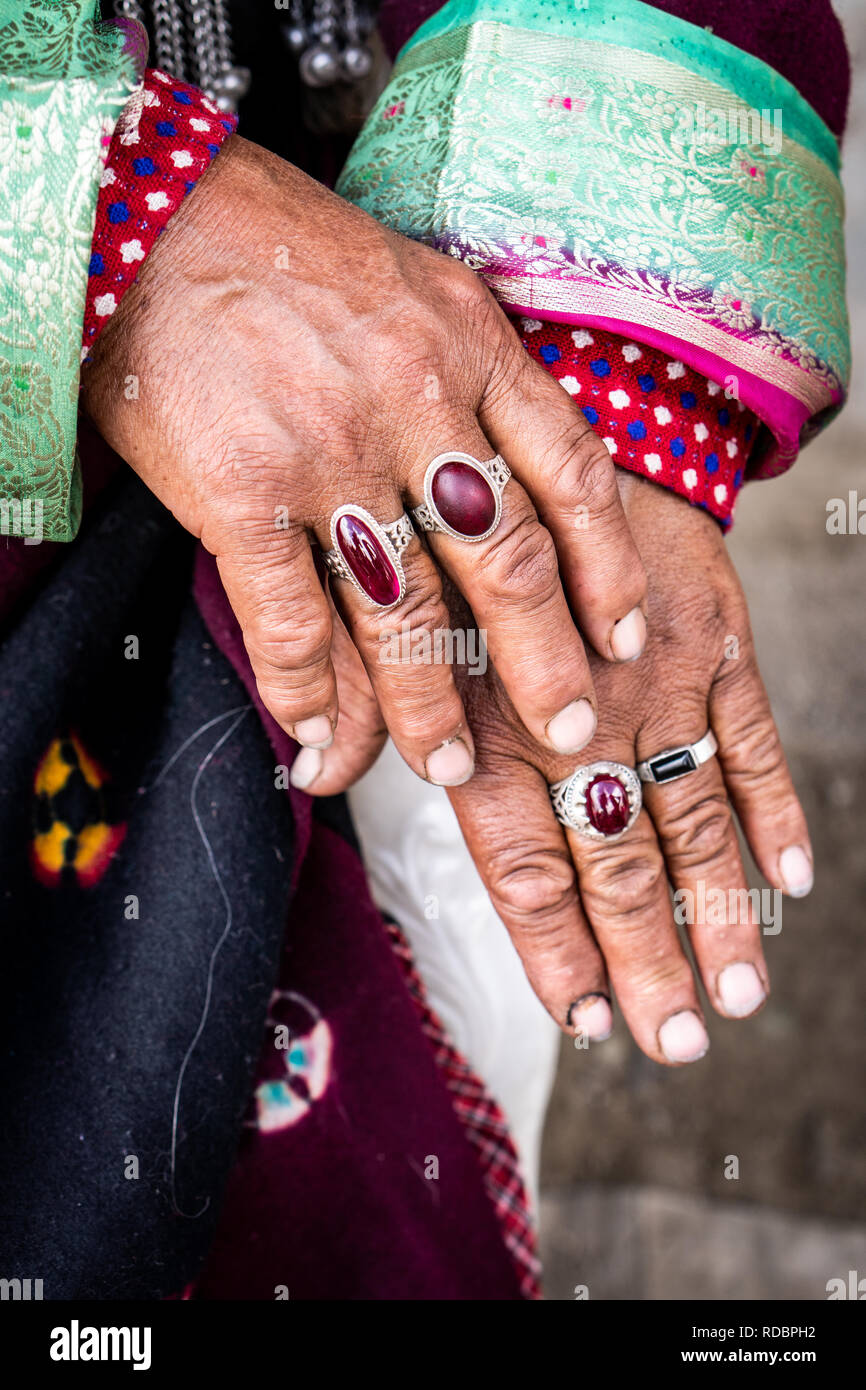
(463, 496)
(368, 554)
(601, 801)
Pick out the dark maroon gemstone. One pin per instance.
(607, 805)
(367, 559)
(464, 498)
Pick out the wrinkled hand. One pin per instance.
(293, 356)
(584, 912)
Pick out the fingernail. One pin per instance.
(573, 728)
(628, 638)
(306, 767)
(316, 732)
(592, 1015)
(796, 870)
(450, 764)
(740, 989)
(683, 1038)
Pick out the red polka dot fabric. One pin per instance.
(165, 139)
(657, 416)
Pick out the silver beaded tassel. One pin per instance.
(192, 42)
(328, 37)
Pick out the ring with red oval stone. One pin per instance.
(368, 554)
(601, 800)
(463, 496)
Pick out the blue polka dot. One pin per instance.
(189, 186)
(749, 433)
(550, 352)
(711, 463)
(214, 149)
(591, 414)
(678, 448)
(637, 430)
(600, 367)
(688, 399)
(165, 128)
(143, 166)
(118, 212)
(183, 97)
(738, 477)
(97, 265)
(646, 382)
(724, 416)
(227, 125)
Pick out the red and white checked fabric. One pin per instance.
(486, 1129)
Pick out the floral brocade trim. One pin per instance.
(63, 82)
(563, 166)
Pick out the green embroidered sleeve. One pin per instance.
(64, 79)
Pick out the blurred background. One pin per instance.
(635, 1202)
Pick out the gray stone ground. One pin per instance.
(635, 1202)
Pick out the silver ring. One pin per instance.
(391, 540)
(674, 763)
(587, 802)
(495, 473)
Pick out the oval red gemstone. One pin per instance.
(464, 498)
(607, 805)
(367, 559)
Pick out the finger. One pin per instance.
(695, 826)
(360, 734)
(521, 855)
(624, 891)
(278, 600)
(511, 581)
(757, 776)
(568, 472)
(406, 653)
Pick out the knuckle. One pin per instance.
(582, 469)
(301, 647)
(702, 833)
(522, 564)
(625, 883)
(529, 884)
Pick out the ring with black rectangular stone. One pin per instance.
(673, 763)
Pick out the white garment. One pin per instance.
(422, 876)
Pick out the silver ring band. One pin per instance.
(495, 473)
(601, 801)
(673, 763)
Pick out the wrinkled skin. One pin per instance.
(586, 915)
(292, 356)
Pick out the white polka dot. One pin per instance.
(610, 445)
(690, 478)
(181, 158)
(619, 399)
(155, 201)
(104, 304)
(675, 370)
(571, 384)
(663, 415)
(151, 99)
(701, 432)
(720, 492)
(713, 388)
(107, 177)
(653, 462)
(531, 325)
(631, 352)
(581, 338)
(132, 251)
(161, 76)
(84, 352)
(198, 123)
(209, 106)
(732, 448)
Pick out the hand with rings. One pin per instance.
(358, 394)
(580, 854)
